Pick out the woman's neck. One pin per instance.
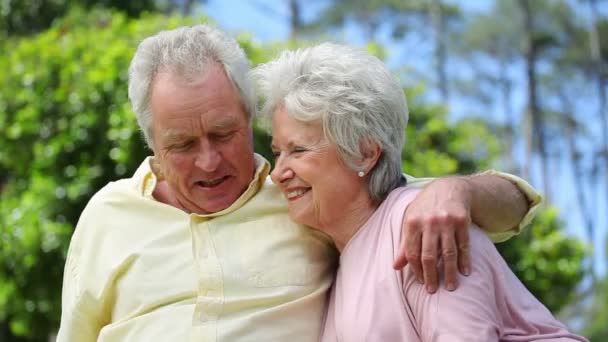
(351, 219)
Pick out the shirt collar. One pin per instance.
(145, 182)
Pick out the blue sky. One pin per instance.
(267, 20)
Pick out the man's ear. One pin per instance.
(371, 153)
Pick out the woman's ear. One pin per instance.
(371, 152)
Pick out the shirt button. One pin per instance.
(203, 317)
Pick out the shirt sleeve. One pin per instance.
(81, 310)
(533, 197)
(489, 305)
(534, 202)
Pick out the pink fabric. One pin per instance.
(372, 302)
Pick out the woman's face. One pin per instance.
(318, 186)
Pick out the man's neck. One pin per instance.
(162, 193)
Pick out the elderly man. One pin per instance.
(198, 245)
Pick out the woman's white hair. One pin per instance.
(357, 100)
(186, 52)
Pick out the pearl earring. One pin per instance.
(361, 174)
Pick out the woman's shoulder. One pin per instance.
(400, 197)
(389, 215)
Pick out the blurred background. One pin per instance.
(515, 85)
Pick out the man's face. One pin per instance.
(202, 140)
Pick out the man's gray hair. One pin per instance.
(352, 94)
(186, 52)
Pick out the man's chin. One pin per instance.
(206, 205)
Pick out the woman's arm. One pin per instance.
(490, 305)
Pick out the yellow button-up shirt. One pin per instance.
(141, 270)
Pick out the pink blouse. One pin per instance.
(372, 302)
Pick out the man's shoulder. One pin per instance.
(109, 211)
(114, 191)
(123, 189)
(113, 196)
(270, 195)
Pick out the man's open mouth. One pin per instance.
(212, 183)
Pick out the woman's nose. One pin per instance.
(281, 172)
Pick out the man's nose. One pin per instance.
(209, 157)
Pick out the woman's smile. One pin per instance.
(294, 194)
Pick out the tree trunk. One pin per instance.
(594, 39)
(438, 20)
(535, 130)
(295, 19)
(505, 89)
(187, 7)
(578, 176)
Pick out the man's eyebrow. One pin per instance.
(225, 123)
(175, 135)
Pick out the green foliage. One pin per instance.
(546, 260)
(434, 147)
(31, 16)
(28, 16)
(596, 328)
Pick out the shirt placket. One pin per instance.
(210, 298)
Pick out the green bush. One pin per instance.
(547, 261)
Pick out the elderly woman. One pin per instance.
(338, 122)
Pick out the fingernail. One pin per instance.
(467, 271)
(430, 289)
(450, 286)
(421, 281)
